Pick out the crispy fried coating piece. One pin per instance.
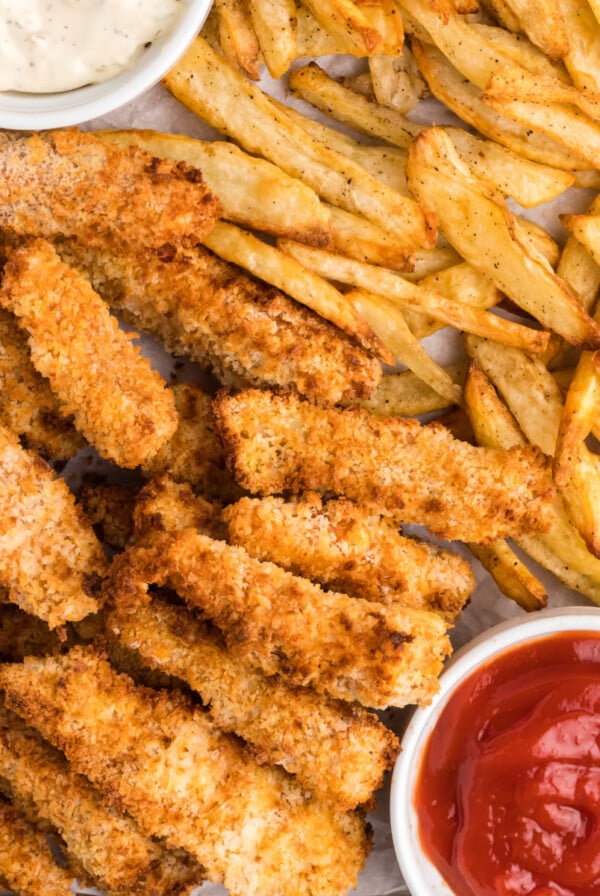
(115, 855)
(164, 762)
(284, 625)
(109, 508)
(164, 505)
(337, 750)
(119, 403)
(27, 404)
(50, 559)
(351, 549)
(391, 465)
(23, 635)
(246, 332)
(26, 863)
(195, 452)
(70, 183)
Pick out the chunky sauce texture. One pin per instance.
(57, 45)
(508, 794)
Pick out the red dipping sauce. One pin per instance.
(508, 792)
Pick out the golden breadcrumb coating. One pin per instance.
(70, 183)
(27, 404)
(351, 549)
(392, 465)
(50, 559)
(26, 863)
(246, 332)
(281, 624)
(163, 761)
(118, 402)
(195, 452)
(107, 844)
(109, 508)
(163, 505)
(337, 750)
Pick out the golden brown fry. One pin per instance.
(346, 648)
(583, 59)
(275, 25)
(69, 183)
(396, 466)
(579, 416)
(406, 395)
(119, 403)
(359, 238)
(109, 845)
(26, 862)
(49, 556)
(544, 24)
(246, 332)
(237, 36)
(27, 404)
(338, 752)
(511, 575)
(396, 81)
(349, 549)
(312, 39)
(348, 24)
(164, 762)
(460, 282)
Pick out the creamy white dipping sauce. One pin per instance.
(49, 46)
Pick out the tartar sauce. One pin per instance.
(57, 45)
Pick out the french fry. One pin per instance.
(406, 395)
(431, 261)
(585, 229)
(396, 81)
(481, 228)
(461, 282)
(511, 575)
(399, 291)
(212, 89)
(386, 19)
(579, 268)
(275, 25)
(348, 24)
(389, 324)
(579, 416)
(543, 23)
(536, 240)
(358, 238)
(312, 39)
(237, 36)
(275, 267)
(252, 192)
(501, 10)
(583, 59)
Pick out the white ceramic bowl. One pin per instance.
(421, 876)
(37, 111)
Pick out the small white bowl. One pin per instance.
(37, 111)
(421, 876)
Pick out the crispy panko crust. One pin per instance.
(118, 402)
(109, 508)
(162, 761)
(50, 559)
(338, 751)
(351, 549)
(396, 466)
(26, 863)
(164, 505)
(27, 404)
(284, 625)
(195, 452)
(246, 332)
(67, 183)
(109, 846)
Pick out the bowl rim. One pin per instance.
(420, 874)
(36, 111)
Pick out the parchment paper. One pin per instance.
(158, 110)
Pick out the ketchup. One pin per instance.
(508, 792)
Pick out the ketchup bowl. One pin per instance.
(40, 111)
(497, 789)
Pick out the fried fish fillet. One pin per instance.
(70, 183)
(164, 505)
(391, 465)
(27, 404)
(337, 750)
(283, 625)
(50, 559)
(195, 452)
(246, 332)
(26, 863)
(163, 762)
(118, 402)
(351, 549)
(115, 855)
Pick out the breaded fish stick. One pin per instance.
(351, 549)
(284, 625)
(246, 332)
(392, 465)
(26, 863)
(119, 403)
(27, 404)
(50, 559)
(110, 847)
(164, 505)
(195, 453)
(70, 183)
(164, 763)
(337, 751)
